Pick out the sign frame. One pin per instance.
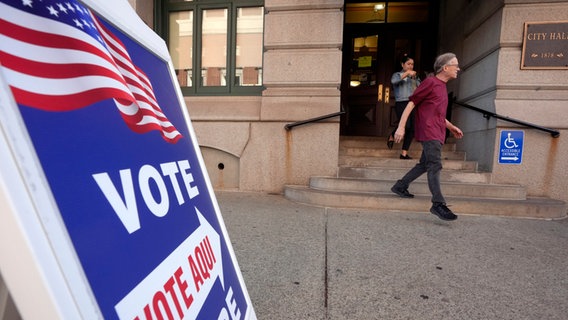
(38, 258)
(511, 146)
(545, 49)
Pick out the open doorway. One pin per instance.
(375, 36)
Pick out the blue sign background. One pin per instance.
(511, 146)
(72, 146)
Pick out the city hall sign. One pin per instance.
(545, 45)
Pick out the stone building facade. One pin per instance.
(246, 147)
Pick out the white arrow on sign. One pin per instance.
(510, 158)
(145, 293)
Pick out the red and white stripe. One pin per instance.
(55, 67)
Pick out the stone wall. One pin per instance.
(247, 147)
(537, 96)
(487, 36)
(471, 30)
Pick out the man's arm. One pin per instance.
(454, 130)
(399, 134)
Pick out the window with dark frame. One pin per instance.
(216, 45)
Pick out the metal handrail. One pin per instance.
(289, 126)
(488, 114)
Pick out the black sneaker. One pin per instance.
(401, 192)
(443, 212)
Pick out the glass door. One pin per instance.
(364, 89)
(375, 37)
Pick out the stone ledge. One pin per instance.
(294, 91)
(245, 108)
(294, 5)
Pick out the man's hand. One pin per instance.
(399, 134)
(455, 131)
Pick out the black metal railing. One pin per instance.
(489, 114)
(289, 126)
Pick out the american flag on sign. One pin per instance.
(57, 56)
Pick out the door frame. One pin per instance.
(383, 120)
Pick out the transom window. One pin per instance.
(386, 12)
(216, 45)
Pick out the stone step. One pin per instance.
(386, 153)
(543, 208)
(381, 143)
(368, 169)
(390, 173)
(350, 161)
(420, 188)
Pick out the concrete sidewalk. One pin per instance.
(304, 262)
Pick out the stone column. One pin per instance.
(302, 75)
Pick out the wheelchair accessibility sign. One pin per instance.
(511, 146)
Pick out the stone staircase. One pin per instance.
(368, 169)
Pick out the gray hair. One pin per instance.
(443, 60)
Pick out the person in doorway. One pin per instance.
(404, 83)
(430, 101)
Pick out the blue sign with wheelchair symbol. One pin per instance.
(511, 146)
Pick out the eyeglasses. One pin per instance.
(453, 65)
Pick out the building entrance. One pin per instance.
(375, 37)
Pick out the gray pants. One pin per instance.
(430, 162)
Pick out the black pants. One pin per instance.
(409, 128)
(431, 163)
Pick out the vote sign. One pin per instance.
(108, 127)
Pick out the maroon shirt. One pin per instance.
(431, 102)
